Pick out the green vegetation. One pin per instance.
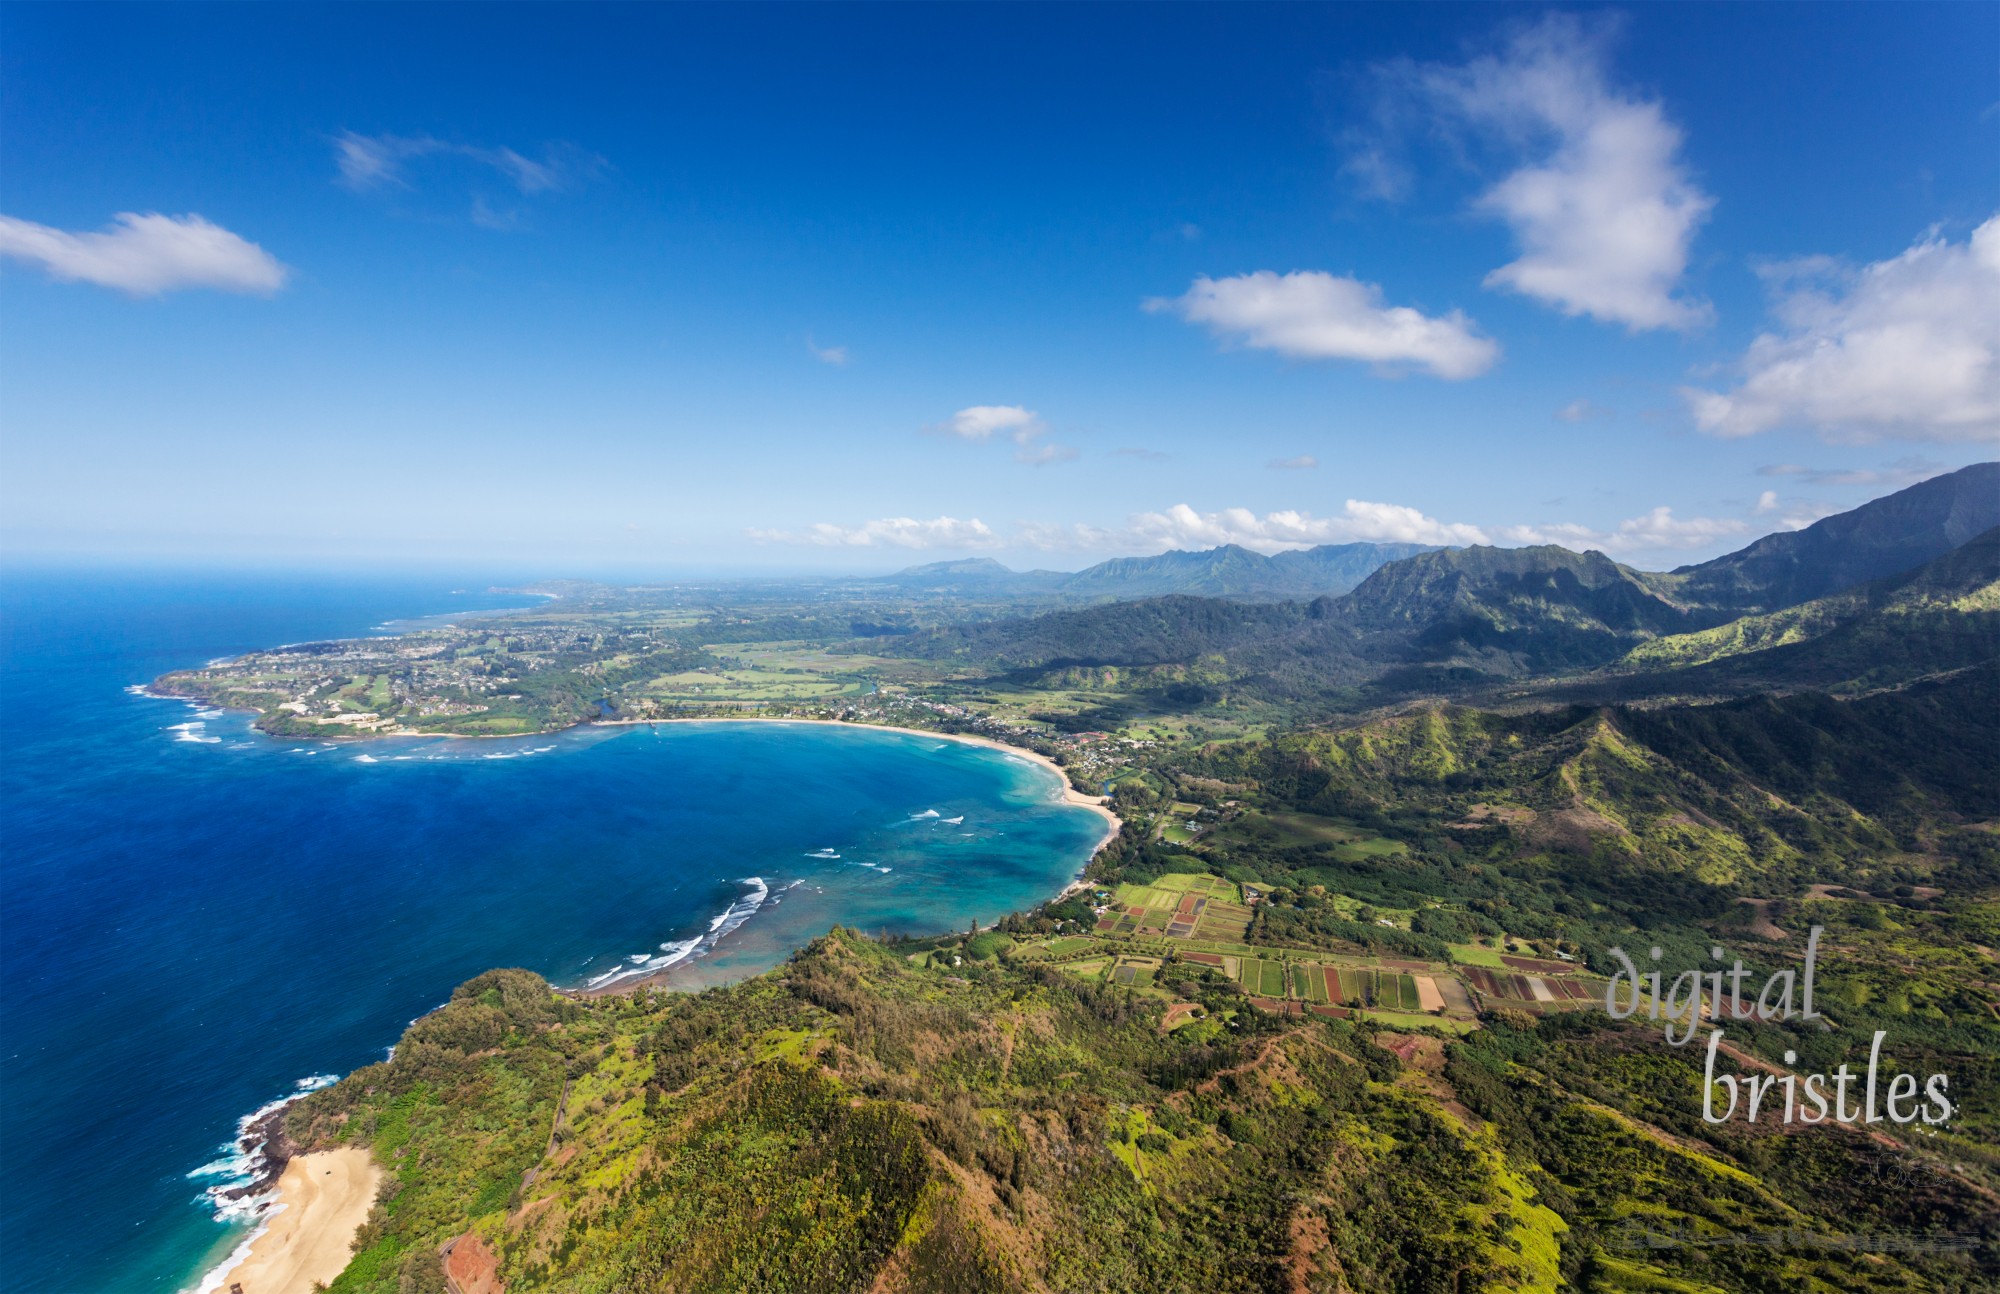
(852, 1122)
(1332, 1019)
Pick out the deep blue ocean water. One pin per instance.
(194, 917)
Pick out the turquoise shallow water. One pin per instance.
(195, 918)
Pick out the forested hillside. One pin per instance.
(852, 1122)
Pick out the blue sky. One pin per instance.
(601, 289)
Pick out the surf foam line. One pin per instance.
(249, 1173)
(676, 951)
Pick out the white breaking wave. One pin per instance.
(518, 754)
(927, 813)
(822, 853)
(366, 759)
(241, 1164)
(674, 952)
(193, 730)
(953, 822)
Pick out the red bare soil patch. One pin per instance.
(471, 1268)
(1392, 964)
(1330, 1012)
(1206, 959)
(1538, 967)
(1404, 1046)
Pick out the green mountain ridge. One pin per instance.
(1458, 620)
(1880, 538)
(1943, 615)
(1228, 571)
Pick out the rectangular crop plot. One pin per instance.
(1406, 993)
(1311, 983)
(1203, 959)
(1428, 996)
(1271, 978)
(1350, 987)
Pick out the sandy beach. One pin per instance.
(323, 1199)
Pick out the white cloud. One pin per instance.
(1310, 314)
(1767, 502)
(381, 161)
(834, 355)
(1605, 210)
(1182, 527)
(983, 422)
(1303, 463)
(1041, 455)
(1359, 520)
(890, 532)
(1907, 348)
(1582, 411)
(147, 255)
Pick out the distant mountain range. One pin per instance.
(1230, 571)
(1895, 589)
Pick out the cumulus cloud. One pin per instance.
(1359, 520)
(368, 163)
(1652, 531)
(1601, 203)
(147, 255)
(1907, 348)
(1183, 527)
(1310, 314)
(1303, 463)
(890, 532)
(983, 422)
